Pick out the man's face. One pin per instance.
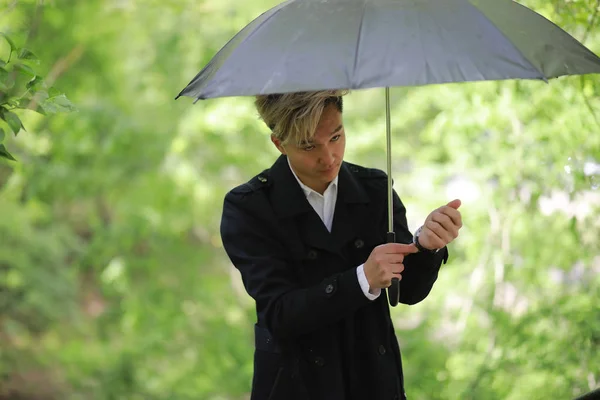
(318, 162)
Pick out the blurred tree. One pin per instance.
(113, 282)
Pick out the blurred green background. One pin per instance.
(113, 280)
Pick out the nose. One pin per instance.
(327, 157)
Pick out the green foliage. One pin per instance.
(113, 281)
(22, 88)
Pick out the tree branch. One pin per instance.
(592, 22)
(582, 80)
(587, 102)
(59, 68)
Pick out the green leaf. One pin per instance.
(26, 54)
(15, 102)
(33, 102)
(25, 68)
(6, 82)
(38, 98)
(35, 81)
(2, 135)
(2, 63)
(41, 96)
(58, 103)
(53, 92)
(13, 46)
(5, 154)
(13, 121)
(39, 109)
(22, 102)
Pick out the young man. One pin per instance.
(308, 236)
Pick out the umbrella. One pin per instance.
(307, 45)
(593, 395)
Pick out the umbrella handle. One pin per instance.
(394, 289)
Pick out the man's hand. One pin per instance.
(441, 226)
(385, 263)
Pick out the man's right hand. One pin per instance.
(386, 262)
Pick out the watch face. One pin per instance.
(416, 235)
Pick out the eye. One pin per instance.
(308, 148)
(336, 138)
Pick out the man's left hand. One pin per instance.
(441, 226)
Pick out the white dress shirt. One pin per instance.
(324, 206)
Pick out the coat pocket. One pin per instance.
(267, 373)
(274, 376)
(268, 366)
(277, 390)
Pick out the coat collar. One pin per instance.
(289, 199)
(289, 203)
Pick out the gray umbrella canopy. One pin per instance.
(304, 45)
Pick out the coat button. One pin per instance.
(312, 255)
(329, 289)
(359, 243)
(319, 361)
(381, 349)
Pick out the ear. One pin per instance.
(278, 144)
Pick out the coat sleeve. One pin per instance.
(420, 269)
(268, 275)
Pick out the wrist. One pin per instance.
(419, 246)
(368, 291)
(372, 288)
(369, 283)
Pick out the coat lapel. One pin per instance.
(350, 209)
(294, 210)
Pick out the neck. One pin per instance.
(319, 187)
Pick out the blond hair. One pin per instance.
(293, 117)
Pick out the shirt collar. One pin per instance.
(307, 191)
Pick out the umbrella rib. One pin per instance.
(207, 69)
(544, 77)
(275, 11)
(358, 40)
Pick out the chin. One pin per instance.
(330, 175)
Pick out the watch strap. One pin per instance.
(419, 246)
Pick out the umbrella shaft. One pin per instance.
(389, 160)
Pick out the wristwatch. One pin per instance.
(421, 248)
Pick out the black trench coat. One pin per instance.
(318, 337)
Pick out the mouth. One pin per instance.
(330, 169)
